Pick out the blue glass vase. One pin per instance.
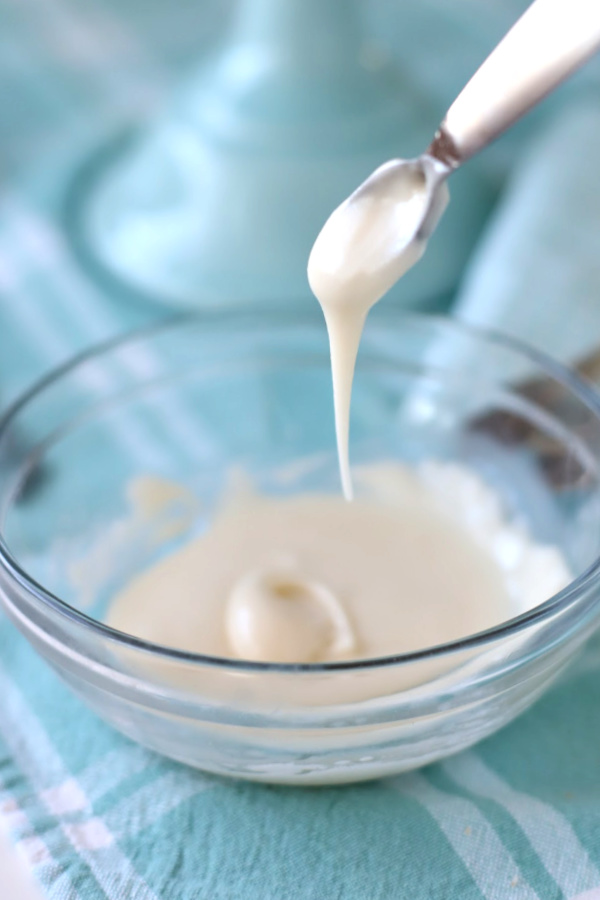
(218, 200)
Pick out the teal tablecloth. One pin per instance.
(98, 817)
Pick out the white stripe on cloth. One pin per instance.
(32, 846)
(548, 832)
(38, 324)
(113, 769)
(135, 441)
(150, 802)
(153, 801)
(39, 761)
(472, 838)
(47, 253)
(140, 809)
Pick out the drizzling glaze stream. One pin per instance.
(365, 246)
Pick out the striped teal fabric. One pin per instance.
(98, 818)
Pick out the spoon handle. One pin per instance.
(550, 40)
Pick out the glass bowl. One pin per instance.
(176, 408)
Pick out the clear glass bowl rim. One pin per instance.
(265, 316)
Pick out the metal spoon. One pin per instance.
(546, 45)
